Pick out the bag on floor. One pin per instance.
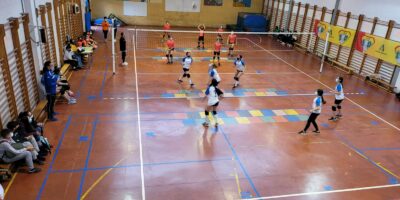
(46, 147)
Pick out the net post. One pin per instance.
(113, 45)
(325, 50)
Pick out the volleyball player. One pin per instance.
(219, 34)
(240, 66)
(201, 28)
(231, 42)
(213, 73)
(339, 97)
(212, 94)
(315, 112)
(217, 51)
(166, 28)
(186, 64)
(170, 49)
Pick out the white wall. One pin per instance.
(385, 10)
(9, 8)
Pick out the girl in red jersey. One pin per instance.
(166, 28)
(171, 48)
(231, 43)
(201, 28)
(217, 51)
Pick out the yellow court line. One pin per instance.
(388, 171)
(9, 185)
(100, 179)
(238, 183)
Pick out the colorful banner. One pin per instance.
(379, 47)
(337, 35)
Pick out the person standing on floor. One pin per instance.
(315, 112)
(212, 94)
(49, 80)
(186, 63)
(339, 97)
(122, 48)
(240, 66)
(170, 49)
(105, 26)
(201, 28)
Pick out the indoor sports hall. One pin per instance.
(199, 99)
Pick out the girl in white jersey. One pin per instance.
(240, 66)
(339, 97)
(213, 73)
(186, 63)
(212, 94)
(315, 112)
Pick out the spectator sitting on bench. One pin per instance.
(26, 139)
(90, 41)
(10, 155)
(64, 88)
(71, 58)
(32, 121)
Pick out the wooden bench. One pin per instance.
(300, 47)
(374, 79)
(341, 66)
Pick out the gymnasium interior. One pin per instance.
(199, 99)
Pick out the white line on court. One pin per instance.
(366, 110)
(139, 123)
(327, 192)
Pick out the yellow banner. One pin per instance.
(379, 47)
(337, 35)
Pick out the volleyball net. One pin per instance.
(188, 39)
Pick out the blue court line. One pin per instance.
(104, 80)
(138, 165)
(82, 182)
(240, 162)
(391, 178)
(54, 157)
(83, 80)
(382, 149)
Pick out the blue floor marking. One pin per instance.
(49, 170)
(240, 162)
(391, 178)
(82, 182)
(104, 80)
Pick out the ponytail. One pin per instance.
(320, 93)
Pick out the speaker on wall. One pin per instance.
(42, 33)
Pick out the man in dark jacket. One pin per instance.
(122, 48)
(49, 80)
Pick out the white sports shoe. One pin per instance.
(124, 63)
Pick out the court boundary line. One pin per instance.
(294, 67)
(237, 159)
(138, 117)
(67, 125)
(92, 136)
(326, 192)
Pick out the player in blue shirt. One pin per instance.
(315, 112)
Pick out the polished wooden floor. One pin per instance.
(256, 152)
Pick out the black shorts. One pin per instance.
(216, 104)
(185, 70)
(171, 49)
(338, 102)
(201, 38)
(217, 53)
